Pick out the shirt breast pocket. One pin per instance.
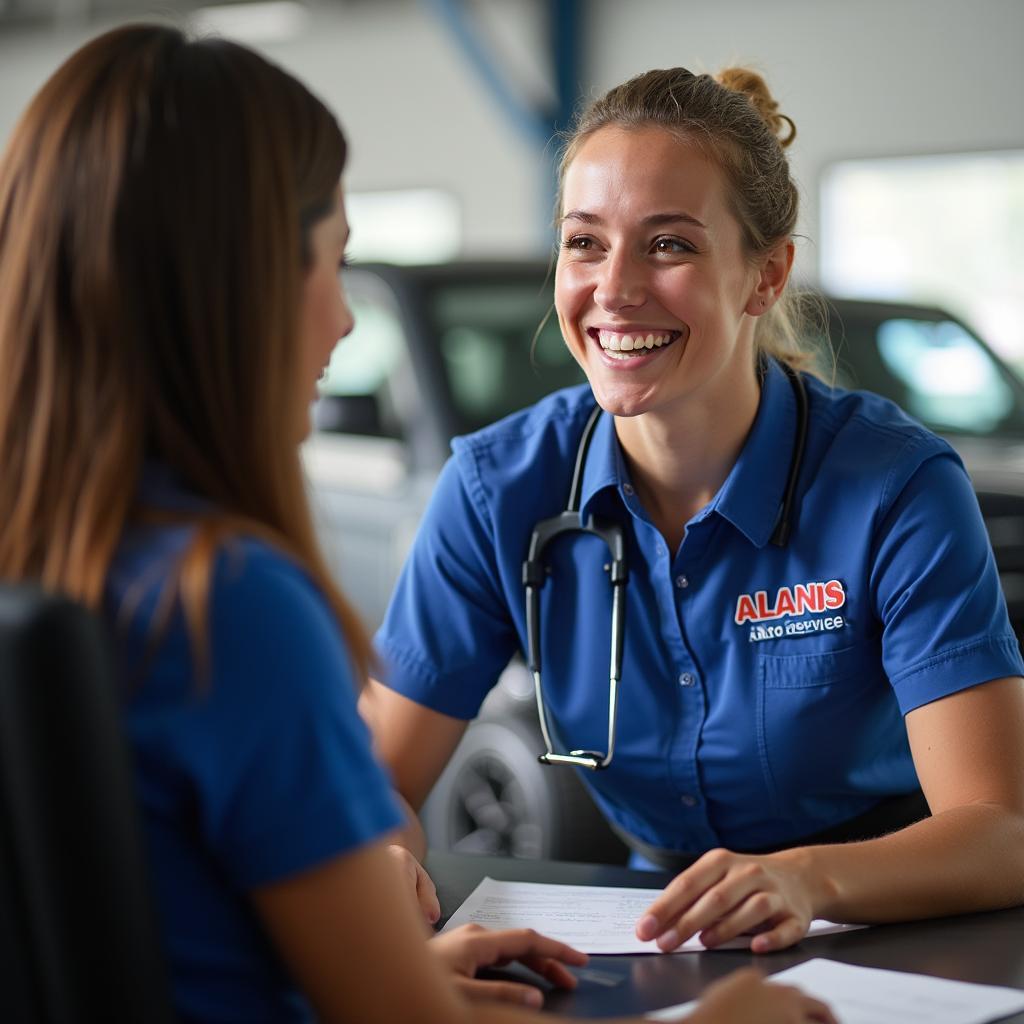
(828, 729)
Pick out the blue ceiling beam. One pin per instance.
(537, 125)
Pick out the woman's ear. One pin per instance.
(772, 278)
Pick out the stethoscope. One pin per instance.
(535, 572)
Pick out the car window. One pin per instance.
(496, 359)
(933, 367)
(358, 392)
(949, 379)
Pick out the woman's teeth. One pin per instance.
(623, 346)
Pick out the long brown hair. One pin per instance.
(155, 204)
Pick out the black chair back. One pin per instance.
(78, 938)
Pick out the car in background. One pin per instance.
(443, 350)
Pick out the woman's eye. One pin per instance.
(345, 262)
(581, 243)
(672, 246)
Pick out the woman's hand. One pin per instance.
(746, 996)
(466, 950)
(725, 894)
(419, 882)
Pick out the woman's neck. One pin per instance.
(680, 456)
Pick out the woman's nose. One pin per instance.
(621, 284)
(346, 320)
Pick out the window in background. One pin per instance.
(950, 380)
(501, 346)
(357, 392)
(421, 225)
(368, 373)
(942, 230)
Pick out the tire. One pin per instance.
(496, 798)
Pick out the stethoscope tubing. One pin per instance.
(535, 573)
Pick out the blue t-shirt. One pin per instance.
(255, 774)
(763, 687)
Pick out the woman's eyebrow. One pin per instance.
(657, 219)
(654, 220)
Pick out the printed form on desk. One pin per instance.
(591, 918)
(869, 995)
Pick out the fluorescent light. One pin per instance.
(416, 225)
(271, 21)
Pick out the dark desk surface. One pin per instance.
(984, 948)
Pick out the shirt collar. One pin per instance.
(751, 496)
(605, 466)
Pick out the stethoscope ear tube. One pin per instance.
(532, 569)
(783, 526)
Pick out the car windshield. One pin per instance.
(502, 350)
(501, 347)
(928, 363)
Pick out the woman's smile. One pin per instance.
(632, 347)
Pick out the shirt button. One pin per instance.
(682, 582)
(686, 679)
(688, 801)
(627, 488)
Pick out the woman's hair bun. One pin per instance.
(754, 87)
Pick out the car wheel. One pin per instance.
(495, 798)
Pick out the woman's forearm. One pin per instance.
(964, 859)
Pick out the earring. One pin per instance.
(762, 303)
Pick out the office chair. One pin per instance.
(78, 939)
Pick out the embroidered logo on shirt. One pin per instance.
(787, 603)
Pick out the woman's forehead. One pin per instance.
(638, 172)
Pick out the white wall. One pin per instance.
(859, 77)
(413, 110)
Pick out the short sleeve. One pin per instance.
(936, 588)
(448, 634)
(284, 773)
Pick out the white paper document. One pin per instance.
(594, 919)
(868, 995)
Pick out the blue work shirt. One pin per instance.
(763, 687)
(255, 773)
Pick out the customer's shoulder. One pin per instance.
(256, 581)
(242, 574)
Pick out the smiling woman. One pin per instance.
(804, 712)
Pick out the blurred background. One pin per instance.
(910, 147)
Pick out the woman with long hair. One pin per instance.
(171, 230)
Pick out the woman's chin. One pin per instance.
(623, 401)
(305, 425)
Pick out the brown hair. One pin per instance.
(734, 118)
(155, 204)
